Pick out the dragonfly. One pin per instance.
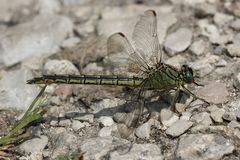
(139, 67)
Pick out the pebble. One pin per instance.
(65, 123)
(198, 47)
(36, 37)
(14, 92)
(39, 144)
(236, 24)
(85, 118)
(214, 92)
(106, 121)
(138, 151)
(167, 117)
(105, 132)
(203, 146)
(234, 124)
(217, 115)
(143, 131)
(178, 41)
(234, 48)
(202, 118)
(70, 42)
(60, 67)
(76, 125)
(178, 128)
(222, 19)
(229, 116)
(236, 82)
(102, 146)
(185, 116)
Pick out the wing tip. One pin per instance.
(152, 12)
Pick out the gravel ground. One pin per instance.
(69, 37)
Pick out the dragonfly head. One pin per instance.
(188, 74)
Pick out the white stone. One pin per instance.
(106, 121)
(178, 128)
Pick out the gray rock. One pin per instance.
(48, 7)
(85, 118)
(102, 145)
(217, 115)
(234, 124)
(185, 116)
(54, 123)
(167, 117)
(106, 121)
(70, 42)
(221, 63)
(55, 100)
(76, 125)
(202, 118)
(236, 24)
(236, 81)
(178, 128)
(222, 19)
(139, 151)
(198, 47)
(178, 41)
(60, 67)
(106, 103)
(214, 92)
(229, 116)
(34, 145)
(105, 132)
(143, 131)
(65, 123)
(212, 129)
(203, 147)
(39, 37)
(84, 29)
(234, 48)
(14, 92)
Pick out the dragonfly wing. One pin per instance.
(145, 38)
(122, 56)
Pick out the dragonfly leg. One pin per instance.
(194, 96)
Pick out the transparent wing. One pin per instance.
(122, 56)
(145, 39)
(127, 122)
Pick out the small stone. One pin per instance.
(185, 116)
(34, 145)
(76, 125)
(212, 108)
(198, 47)
(137, 151)
(178, 41)
(221, 63)
(229, 116)
(214, 92)
(217, 115)
(55, 100)
(203, 146)
(71, 42)
(236, 82)
(106, 121)
(238, 115)
(53, 122)
(202, 118)
(180, 107)
(65, 123)
(143, 131)
(60, 67)
(105, 132)
(86, 118)
(167, 117)
(178, 128)
(236, 24)
(234, 124)
(222, 19)
(234, 48)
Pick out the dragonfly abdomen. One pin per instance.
(132, 81)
